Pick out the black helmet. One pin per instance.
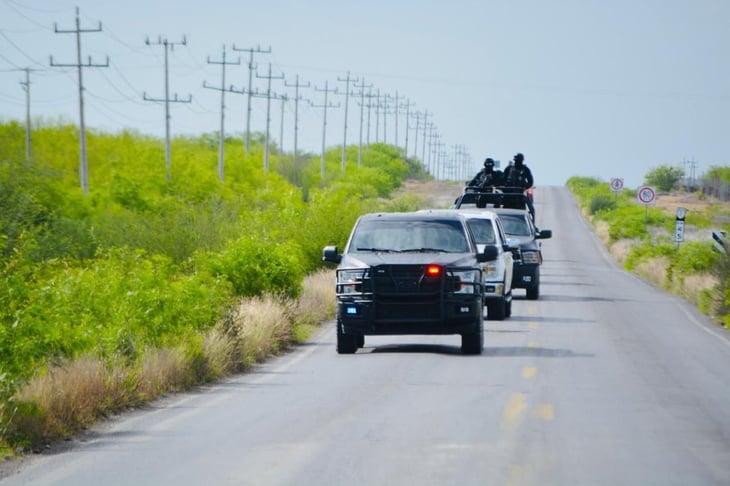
(489, 162)
(519, 158)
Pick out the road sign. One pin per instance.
(646, 195)
(617, 184)
(679, 231)
(679, 225)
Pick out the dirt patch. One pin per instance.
(436, 194)
(694, 203)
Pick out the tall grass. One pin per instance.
(149, 285)
(71, 395)
(640, 241)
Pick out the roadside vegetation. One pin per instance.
(642, 239)
(149, 284)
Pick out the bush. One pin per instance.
(254, 267)
(601, 202)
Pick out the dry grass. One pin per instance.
(317, 302)
(71, 396)
(161, 371)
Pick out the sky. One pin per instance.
(606, 89)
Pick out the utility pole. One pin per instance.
(386, 111)
(251, 51)
(395, 113)
(347, 82)
(26, 87)
(377, 116)
(296, 87)
(361, 87)
(167, 100)
(84, 168)
(426, 124)
(221, 150)
(369, 105)
(268, 77)
(284, 98)
(325, 106)
(415, 141)
(407, 105)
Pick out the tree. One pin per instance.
(664, 177)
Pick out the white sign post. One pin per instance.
(679, 225)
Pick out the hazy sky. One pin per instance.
(581, 87)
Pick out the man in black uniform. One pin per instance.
(518, 177)
(487, 176)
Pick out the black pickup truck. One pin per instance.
(410, 273)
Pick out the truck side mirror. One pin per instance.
(330, 254)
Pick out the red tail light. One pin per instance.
(434, 271)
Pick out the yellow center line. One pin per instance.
(532, 310)
(529, 372)
(533, 325)
(533, 345)
(514, 411)
(544, 411)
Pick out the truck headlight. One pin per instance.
(530, 257)
(469, 281)
(491, 270)
(350, 281)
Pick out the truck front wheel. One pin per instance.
(346, 343)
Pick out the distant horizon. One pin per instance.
(610, 90)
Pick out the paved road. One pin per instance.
(604, 380)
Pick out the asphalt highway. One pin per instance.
(604, 380)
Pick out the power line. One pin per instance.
(84, 171)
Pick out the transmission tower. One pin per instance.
(84, 169)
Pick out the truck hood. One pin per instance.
(361, 260)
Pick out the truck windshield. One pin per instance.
(409, 235)
(515, 225)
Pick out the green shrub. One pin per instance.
(254, 266)
(601, 202)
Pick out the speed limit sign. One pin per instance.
(617, 184)
(646, 195)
